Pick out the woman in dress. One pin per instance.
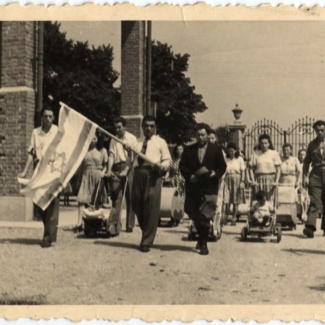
(290, 167)
(93, 168)
(175, 175)
(234, 181)
(264, 167)
(174, 172)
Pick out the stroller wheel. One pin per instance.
(244, 233)
(278, 235)
(214, 238)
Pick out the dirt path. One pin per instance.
(112, 271)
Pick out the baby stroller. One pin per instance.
(214, 233)
(243, 208)
(172, 204)
(286, 214)
(256, 229)
(216, 223)
(303, 203)
(95, 221)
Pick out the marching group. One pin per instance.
(197, 170)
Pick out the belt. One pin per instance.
(149, 168)
(265, 174)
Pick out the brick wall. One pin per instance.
(18, 54)
(132, 74)
(17, 101)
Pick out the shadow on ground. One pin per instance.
(35, 300)
(135, 246)
(304, 251)
(21, 241)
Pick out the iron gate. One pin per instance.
(298, 135)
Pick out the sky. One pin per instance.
(272, 70)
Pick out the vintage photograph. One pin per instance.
(162, 162)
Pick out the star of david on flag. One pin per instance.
(62, 157)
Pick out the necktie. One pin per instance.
(143, 150)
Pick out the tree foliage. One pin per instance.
(177, 101)
(80, 76)
(222, 134)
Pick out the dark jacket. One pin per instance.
(213, 161)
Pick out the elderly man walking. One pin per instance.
(315, 179)
(41, 139)
(120, 172)
(147, 182)
(202, 166)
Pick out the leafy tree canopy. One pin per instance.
(177, 101)
(80, 76)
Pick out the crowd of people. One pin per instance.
(196, 171)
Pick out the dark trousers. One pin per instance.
(50, 218)
(201, 209)
(146, 197)
(316, 191)
(117, 192)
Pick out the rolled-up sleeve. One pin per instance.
(112, 148)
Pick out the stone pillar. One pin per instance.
(235, 135)
(17, 112)
(132, 74)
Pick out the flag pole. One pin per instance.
(140, 154)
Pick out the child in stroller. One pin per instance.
(261, 211)
(261, 220)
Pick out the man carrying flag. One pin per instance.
(59, 152)
(41, 138)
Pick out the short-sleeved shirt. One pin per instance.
(41, 140)
(117, 150)
(157, 151)
(290, 166)
(265, 162)
(235, 165)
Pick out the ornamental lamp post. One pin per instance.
(237, 114)
(237, 130)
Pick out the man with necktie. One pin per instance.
(147, 182)
(202, 165)
(315, 179)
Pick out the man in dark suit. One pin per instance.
(202, 165)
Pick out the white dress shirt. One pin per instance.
(157, 151)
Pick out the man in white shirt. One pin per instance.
(41, 139)
(147, 182)
(119, 166)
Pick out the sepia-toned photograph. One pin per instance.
(162, 162)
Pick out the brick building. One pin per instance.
(17, 110)
(18, 84)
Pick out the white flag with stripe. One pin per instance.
(62, 157)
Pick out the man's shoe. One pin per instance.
(144, 249)
(197, 245)
(204, 250)
(308, 232)
(129, 230)
(46, 244)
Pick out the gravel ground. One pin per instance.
(79, 270)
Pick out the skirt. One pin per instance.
(90, 181)
(232, 191)
(265, 184)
